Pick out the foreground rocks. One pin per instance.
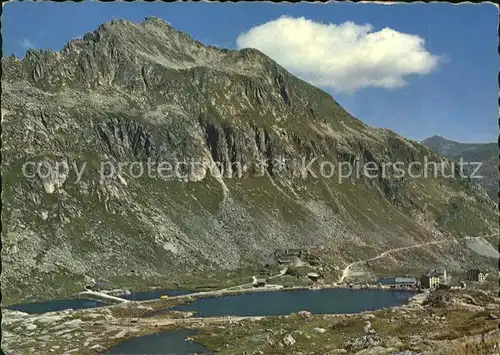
(59, 332)
(416, 328)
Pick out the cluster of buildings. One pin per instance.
(436, 277)
(291, 257)
(432, 279)
(476, 275)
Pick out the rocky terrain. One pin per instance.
(442, 322)
(146, 95)
(486, 153)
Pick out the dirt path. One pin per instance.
(347, 272)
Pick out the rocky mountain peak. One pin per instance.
(159, 22)
(125, 49)
(141, 93)
(484, 153)
(438, 140)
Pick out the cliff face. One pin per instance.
(150, 97)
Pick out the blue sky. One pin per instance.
(456, 99)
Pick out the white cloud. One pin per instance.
(26, 43)
(345, 57)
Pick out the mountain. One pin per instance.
(148, 96)
(485, 153)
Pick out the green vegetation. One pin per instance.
(266, 335)
(486, 153)
(125, 100)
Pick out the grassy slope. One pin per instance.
(260, 214)
(362, 208)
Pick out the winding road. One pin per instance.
(346, 271)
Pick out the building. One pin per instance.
(284, 260)
(312, 259)
(430, 281)
(294, 252)
(440, 272)
(476, 275)
(291, 261)
(288, 252)
(434, 277)
(314, 276)
(405, 281)
(287, 256)
(260, 282)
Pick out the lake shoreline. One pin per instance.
(99, 329)
(219, 293)
(224, 292)
(334, 302)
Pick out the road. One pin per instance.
(102, 296)
(346, 271)
(254, 280)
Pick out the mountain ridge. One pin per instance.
(101, 100)
(484, 153)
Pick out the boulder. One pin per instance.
(305, 314)
(366, 341)
(368, 316)
(367, 326)
(288, 340)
